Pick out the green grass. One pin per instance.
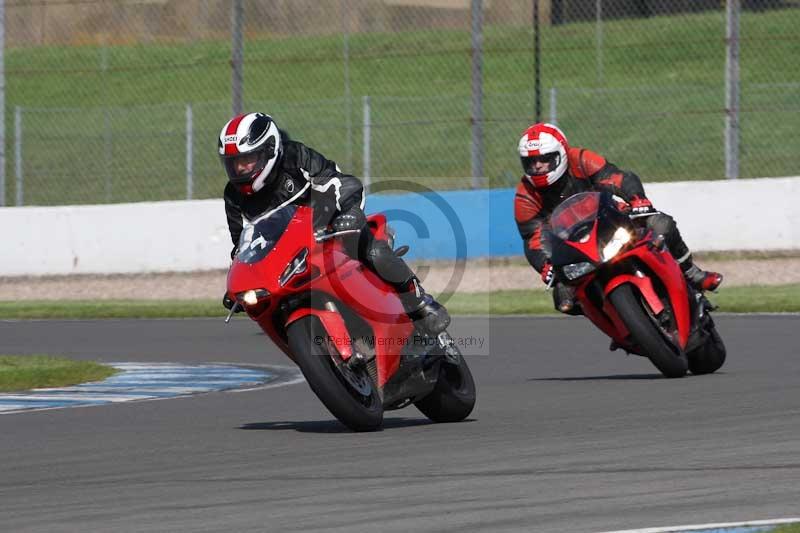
(751, 299)
(773, 299)
(111, 309)
(656, 107)
(24, 372)
(791, 528)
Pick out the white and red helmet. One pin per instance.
(543, 143)
(249, 147)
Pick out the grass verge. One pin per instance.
(790, 528)
(750, 299)
(25, 372)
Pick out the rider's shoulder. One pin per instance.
(584, 163)
(294, 153)
(297, 155)
(527, 201)
(525, 189)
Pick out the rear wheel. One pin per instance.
(710, 356)
(348, 393)
(667, 358)
(453, 397)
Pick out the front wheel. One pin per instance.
(453, 397)
(670, 361)
(348, 393)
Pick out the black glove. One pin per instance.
(352, 219)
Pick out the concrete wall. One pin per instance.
(757, 214)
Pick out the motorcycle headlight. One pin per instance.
(620, 238)
(252, 297)
(576, 270)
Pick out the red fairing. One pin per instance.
(344, 279)
(669, 272)
(588, 248)
(333, 324)
(645, 287)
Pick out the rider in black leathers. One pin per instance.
(267, 171)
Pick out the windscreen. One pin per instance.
(258, 239)
(574, 214)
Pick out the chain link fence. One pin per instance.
(122, 100)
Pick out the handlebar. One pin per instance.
(325, 236)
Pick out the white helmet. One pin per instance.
(543, 143)
(249, 147)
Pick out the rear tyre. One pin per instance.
(453, 397)
(349, 394)
(711, 355)
(670, 362)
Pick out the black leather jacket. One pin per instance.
(305, 177)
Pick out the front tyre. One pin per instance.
(453, 397)
(349, 394)
(671, 363)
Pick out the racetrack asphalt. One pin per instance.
(566, 437)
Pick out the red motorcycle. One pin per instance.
(342, 325)
(629, 285)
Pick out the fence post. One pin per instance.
(109, 155)
(367, 132)
(537, 97)
(237, 56)
(553, 106)
(477, 93)
(732, 90)
(348, 103)
(2, 103)
(189, 152)
(598, 8)
(18, 152)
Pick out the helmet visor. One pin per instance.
(537, 165)
(244, 168)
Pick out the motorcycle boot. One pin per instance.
(428, 314)
(564, 300)
(701, 280)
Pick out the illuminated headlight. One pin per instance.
(620, 238)
(252, 297)
(296, 266)
(576, 270)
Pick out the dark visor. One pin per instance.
(550, 159)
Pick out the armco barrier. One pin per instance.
(759, 214)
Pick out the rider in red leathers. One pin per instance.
(554, 171)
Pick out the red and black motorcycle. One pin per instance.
(629, 285)
(342, 325)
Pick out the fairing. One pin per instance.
(340, 279)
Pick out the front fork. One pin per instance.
(452, 354)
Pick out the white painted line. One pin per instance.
(676, 529)
(155, 381)
(70, 397)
